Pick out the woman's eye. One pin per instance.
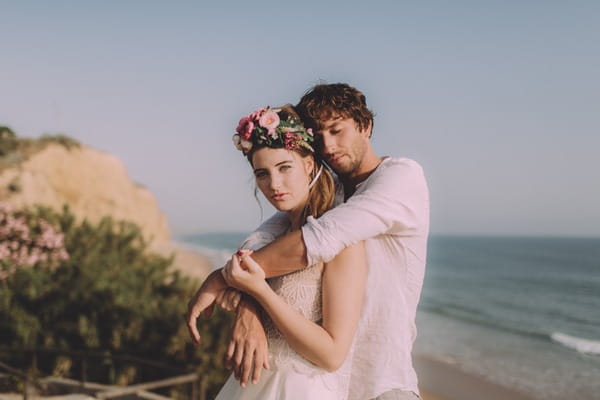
(284, 167)
(260, 175)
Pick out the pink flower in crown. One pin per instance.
(290, 140)
(245, 127)
(270, 121)
(309, 131)
(256, 114)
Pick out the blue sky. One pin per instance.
(497, 100)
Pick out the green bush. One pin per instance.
(14, 149)
(8, 140)
(111, 295)
(61, 139)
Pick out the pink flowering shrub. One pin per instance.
(27, 240)
(111, 295)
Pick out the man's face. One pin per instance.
(343, 145)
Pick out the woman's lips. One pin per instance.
(279, 196)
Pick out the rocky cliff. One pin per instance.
(91, 182)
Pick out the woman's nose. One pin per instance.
(275, 182)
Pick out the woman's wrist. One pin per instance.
(260, 291)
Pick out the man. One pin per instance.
(387, 206)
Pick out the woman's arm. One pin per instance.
(343, 283)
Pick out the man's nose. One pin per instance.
(327, 144)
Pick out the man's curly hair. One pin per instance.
(326, 101)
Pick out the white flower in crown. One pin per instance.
(237, 141)
(285, 129)
(246, 146)
(241, 144)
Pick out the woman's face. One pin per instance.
(283, 177)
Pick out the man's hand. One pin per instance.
(203, 301)
(229, 299)
(248, 350)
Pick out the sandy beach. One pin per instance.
(189, 262)
(440, 380)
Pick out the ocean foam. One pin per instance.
(585, 346)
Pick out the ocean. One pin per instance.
(521, 312)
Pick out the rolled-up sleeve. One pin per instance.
(393, 200)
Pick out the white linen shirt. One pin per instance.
(390, 212)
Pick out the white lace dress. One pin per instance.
(291, 376)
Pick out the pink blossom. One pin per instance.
(245, 127)
(22, 246)
(256, 114)
(269, 120)
(291, 140)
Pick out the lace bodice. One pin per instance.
(302, 290)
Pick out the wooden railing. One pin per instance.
(198, 389)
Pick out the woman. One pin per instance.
(312, 313)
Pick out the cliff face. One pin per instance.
(94, 184)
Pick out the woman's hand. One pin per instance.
(243, 273)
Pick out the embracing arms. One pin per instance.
(395, 201)
(343, 285)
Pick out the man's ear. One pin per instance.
(367, 131)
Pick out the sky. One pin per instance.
(498, 101)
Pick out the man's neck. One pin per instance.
(368, 165)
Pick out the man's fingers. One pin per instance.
(191, 324)
(238, 356)
(221, 299)
(247, 363)
(233, 299)
(229, 354)
(258, 364)
(263, 356)
(237, 298)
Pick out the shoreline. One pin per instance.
(442, 380)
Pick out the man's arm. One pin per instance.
(396, 201)
(283, 256)
(203, 301)
(247, 350)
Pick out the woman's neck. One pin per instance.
(295, 217)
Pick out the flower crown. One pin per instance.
(264, 127)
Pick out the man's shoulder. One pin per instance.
(400, 162)
(395, 166)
